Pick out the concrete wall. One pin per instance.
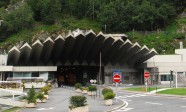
(34, 68)
(129, 75)
(3, 60)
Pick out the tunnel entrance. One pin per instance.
(69, 75)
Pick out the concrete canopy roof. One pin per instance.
(80, 48)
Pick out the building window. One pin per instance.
(35, 74)
(166, 78)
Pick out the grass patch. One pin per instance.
(141, 89)
(14, 109)
(175, 91)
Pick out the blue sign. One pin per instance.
(119, 72)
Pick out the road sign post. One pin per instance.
(146, 76)
(117, 78)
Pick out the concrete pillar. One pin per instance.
(44, 75)
(106, 80)
(1, 76)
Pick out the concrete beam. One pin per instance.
(57, 49)
(105, 49)
(122, 51)
(47, 50)
(80, 38)
(89, 41)
(144, 50)
(36, 52)
(25, 52)
(69, 43)
(135, 48)
(13, 56)
(147, 56)
(113, 50)
(97, 45)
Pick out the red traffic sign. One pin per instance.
(146, 75)
(116, 78)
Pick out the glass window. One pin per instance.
(166, 78)
(35, 74)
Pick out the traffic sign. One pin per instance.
(116, 78)
(146, 75)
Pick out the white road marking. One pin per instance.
(124, 110)
(183, 106)
(121, 97)
(154, 103)
(41, 109)
(46, 108)
(141, 94)
(156, 96)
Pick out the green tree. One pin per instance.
(45, 10)
(15, 20)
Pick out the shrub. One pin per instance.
(92, 88)
(84, 88)
(31, 95)
(45, 89)
(78, 85)
(40, 96)
(106, 90)
(77, 101)
(109, 95)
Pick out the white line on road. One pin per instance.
(124, 110)
(45, 108)
(154, 103)
(183, 106)
(41, 109)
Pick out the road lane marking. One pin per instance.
(183, 106)
(45, 108)
(154, 103)
(123, 110)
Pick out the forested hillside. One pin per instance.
(24, 18)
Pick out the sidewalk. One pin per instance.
(158, 90)
(59, 102)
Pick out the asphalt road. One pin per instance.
(141, 102)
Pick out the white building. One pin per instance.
(160, 67)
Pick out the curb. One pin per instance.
(167, 95)
(156, 94)
(124, 104)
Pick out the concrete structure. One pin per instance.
(76, 58)
(160, 66)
